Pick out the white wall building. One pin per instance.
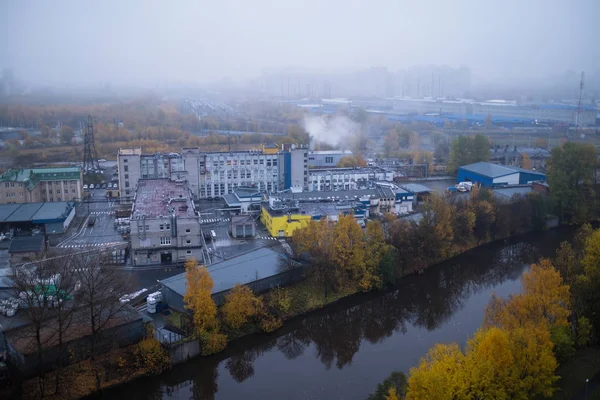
(346, 178)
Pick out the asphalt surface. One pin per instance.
(102, 233)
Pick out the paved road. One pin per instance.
(102, 233)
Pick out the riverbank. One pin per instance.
(438, 280)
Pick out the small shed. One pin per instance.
(26, 248)
(243, 226)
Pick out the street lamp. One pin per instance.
(586, 387)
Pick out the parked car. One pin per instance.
(85, 187)
(91, 186)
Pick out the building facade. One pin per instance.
(39, 185)
(346, 178)
(165, 227)
(216, 174)
(326, 158)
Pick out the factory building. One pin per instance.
(286, 212)
(133, 166)
(216, 174)
(32, 185)
(326, 158)
(165, 228)
(491, 175)
(346, 178)
(499, 110)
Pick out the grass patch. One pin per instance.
(573, 373)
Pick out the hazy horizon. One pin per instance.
(141, 42)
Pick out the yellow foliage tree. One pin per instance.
(240, 305)
(391, 395)
(435, 378)
(198, 298)
(349, 248)
(525, 161)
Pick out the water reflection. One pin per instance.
(427, 301)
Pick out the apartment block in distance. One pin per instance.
(165, 228)
(39, 185)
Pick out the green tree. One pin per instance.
(571, 169)
(466, 150)
(396, 381)
(66, 134)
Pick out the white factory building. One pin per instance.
(346, 178)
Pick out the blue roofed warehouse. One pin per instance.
(490, 175)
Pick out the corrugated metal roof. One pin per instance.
(416, 188)
(26, 244)
(509, 192)
(24, 213)
(488, 169)
(51, 211)
(243, 269)
(6, 210)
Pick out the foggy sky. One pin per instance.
(143, 41)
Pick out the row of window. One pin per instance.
(229, 163)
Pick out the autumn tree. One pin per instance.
(375, 250)
(240, 305)
(352, 161)
(436, 229)
(197, 298)
(349, 250)
(525, 161)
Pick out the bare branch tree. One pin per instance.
(100, 291)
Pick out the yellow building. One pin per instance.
(280, 224)
(270, 149)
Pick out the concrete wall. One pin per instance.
(299, 168)
(129, 174)
(182, 352)
(185, 236)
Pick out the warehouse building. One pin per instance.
(491, 175)
(165, 228)
(260, 269)
(49, 217)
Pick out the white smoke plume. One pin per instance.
(336, 131)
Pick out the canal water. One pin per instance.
(342, 352)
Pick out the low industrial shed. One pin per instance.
(490, 175)
(260, 269)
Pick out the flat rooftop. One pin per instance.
(488, 169)
(380, 192)
(162, 197)
(245, 268)
(130, 152)
(35, 212)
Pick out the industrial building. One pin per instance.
(499, 111)
(244, 199)
(259, 269)
(165, 228)
(491, 175)
(326, 158)
(243, 226)
(49, 217)
(216, 174)
(33, 185)
(133, 166)
(346, 178)
(286, 212)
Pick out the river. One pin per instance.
(343, 351)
